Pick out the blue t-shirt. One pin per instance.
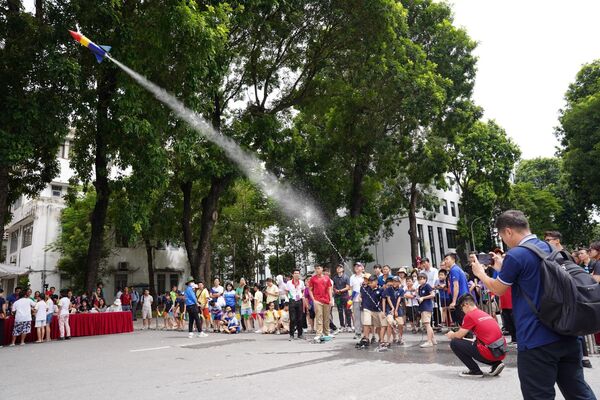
(233, 323)
(521, 271)
(229, 298)
(457, 274)
(371, 299)
(190, 296)
(393, 295)
(426, 305)
(381, 280)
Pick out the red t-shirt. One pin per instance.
(486, 330)
(320, 288)
(506, 300)
(125, 299)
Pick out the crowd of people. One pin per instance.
(377, 306)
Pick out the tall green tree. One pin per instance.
(579, 134)
(483, 159)
(37, 78)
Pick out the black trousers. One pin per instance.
(296, 315)
(457, 316)
(344, 313)
(560, 363)
(193, 316)
(507, 318)
(1, 332)
(468, 353)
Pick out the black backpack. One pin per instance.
(570, 302)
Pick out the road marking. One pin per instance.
(150, 349)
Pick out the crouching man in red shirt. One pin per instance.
(489, 346)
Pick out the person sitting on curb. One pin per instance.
(489, 346)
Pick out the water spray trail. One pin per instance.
(292, 203)
(333, 246)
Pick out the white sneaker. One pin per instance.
(202, 334)
(317, 338)
(191, 335)
(426, 344)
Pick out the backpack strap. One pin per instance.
(543, 255)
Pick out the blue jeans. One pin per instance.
(559, 362)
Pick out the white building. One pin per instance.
(436, 236)
(36, 224)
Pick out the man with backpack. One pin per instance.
(545, 357)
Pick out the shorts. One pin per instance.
(412, 313)
(170, 314)
(49, 319)
(40, 323)
(146, 313)
(216, 317)
(426, 317)
(400, 321)
(21, 328)
(390, 319)
(206, 313)
(374, 318)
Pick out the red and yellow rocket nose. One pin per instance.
(76, 35)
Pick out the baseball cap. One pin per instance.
(396, 279)
(366, 275)
(403, 269)
(372, 278)
(359, 263)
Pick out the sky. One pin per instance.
(529, 52)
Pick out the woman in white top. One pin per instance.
(41, 310)
(22, 310)
(49, 315)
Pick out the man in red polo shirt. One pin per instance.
(320, 292)
(487, 333)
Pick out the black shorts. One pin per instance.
(412, 313)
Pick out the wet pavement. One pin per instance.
(156, 364)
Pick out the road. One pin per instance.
(166, 364)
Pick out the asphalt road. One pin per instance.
(166, 364)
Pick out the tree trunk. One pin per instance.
(210, 204)
(412, 220)
(106, 88)
(150, 258)
(3, 198)
(356, 200)
(186, 188)
(39, 9)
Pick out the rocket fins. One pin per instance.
(99, 58)
(105, 48)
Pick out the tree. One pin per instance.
(579, 134)
(539, 205)
(483, 159)
(37, 79)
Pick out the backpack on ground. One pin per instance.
(570, 301)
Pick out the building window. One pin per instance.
(27, 235)
(421, 240)
(174, 280)
(441, 240)
(161, 281)
(457, 188)
(432, 246)
(445, 206)
(14, 241)
(451, 237)
(453, 208)
(120, 281)
(64, 150)
(56, 191)
(17, 203)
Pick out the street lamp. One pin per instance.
(472, 235)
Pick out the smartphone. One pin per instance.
(484, 259)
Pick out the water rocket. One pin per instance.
(100, 52)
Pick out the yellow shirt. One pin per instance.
(203, 297)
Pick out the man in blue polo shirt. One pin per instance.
(545, 357)
(457, 282)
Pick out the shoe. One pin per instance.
(258, 331)
(317, 338)
(300, 337)
(290, 338)
(68, 338)
(496, 369)
(190, 335)
(203, 334)
(401, 342)
(336, 332)
(586, 363)
(357, 336)
(471, 374)
(426, 344)
(373, 339)
(11, 345)
(278, 333)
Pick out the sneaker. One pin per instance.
(191, 335)
(586, 363)
(471, 374)
(258, 331)
(278, 333)
(426, 344)
(336, 332)
(202, 334)
(401, 342)
(290, 338)
(496, 369)
(68, 338)
(317, 338)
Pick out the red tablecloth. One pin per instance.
(81, 325)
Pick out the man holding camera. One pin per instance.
(489, 346)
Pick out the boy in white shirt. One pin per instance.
(146, 309)
(22, 310)
(41, 310)
(64, 306)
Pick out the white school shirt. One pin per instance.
(64, 303)
(51, 307)
(295, 293)
(356, 282)
(41, 309)
(147, 301)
